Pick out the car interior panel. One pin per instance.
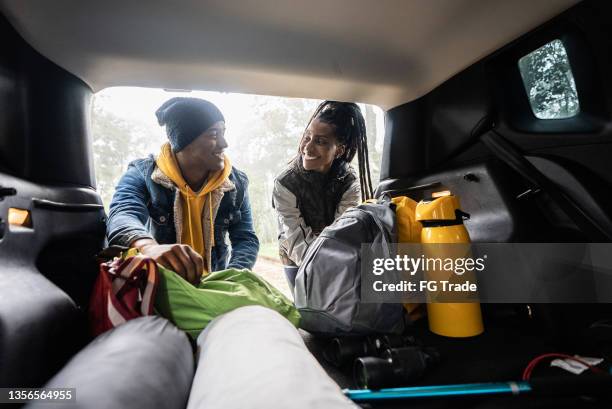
(438, 114)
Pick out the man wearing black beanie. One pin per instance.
(180, 206)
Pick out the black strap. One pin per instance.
(513, 157)
(405, 190)
(460, 216)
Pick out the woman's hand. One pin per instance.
(179, 258)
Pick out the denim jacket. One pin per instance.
(142, 208)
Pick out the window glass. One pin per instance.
(549, 82)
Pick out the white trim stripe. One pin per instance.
(147, 297)
(114, 315)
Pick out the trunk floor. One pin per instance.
(499, 354)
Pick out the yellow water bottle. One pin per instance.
(408, 231)
(442, 222)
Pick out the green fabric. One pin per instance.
(192, 308)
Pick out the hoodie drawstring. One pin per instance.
(189, 212)
(212, 225)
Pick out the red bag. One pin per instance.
(125, 289)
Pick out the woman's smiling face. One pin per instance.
(319, 147)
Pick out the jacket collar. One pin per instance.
(160, 178)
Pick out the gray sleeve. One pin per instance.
(350, 198)
(294, 236)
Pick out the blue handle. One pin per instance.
(467, 389)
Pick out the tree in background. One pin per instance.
(271, 142)
(111, 142)
(549, 82)
(116, 142)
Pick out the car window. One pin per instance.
(549, 82)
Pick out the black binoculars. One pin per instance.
(341, 351)
(394, 367)
(383, 360)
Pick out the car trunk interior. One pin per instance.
(432, 143)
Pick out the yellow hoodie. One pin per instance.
(193, 203)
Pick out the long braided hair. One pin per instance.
(350, 130)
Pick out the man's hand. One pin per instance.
(179, 258)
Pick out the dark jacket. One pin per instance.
(143, 208)
(306, 202)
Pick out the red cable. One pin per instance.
(532, 364)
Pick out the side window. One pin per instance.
(549, 82)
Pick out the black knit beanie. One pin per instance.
(186, 119)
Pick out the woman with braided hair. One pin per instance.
(319, 184)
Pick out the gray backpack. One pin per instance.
(328, 283)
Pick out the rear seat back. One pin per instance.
(39, 327)
(46, 275)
